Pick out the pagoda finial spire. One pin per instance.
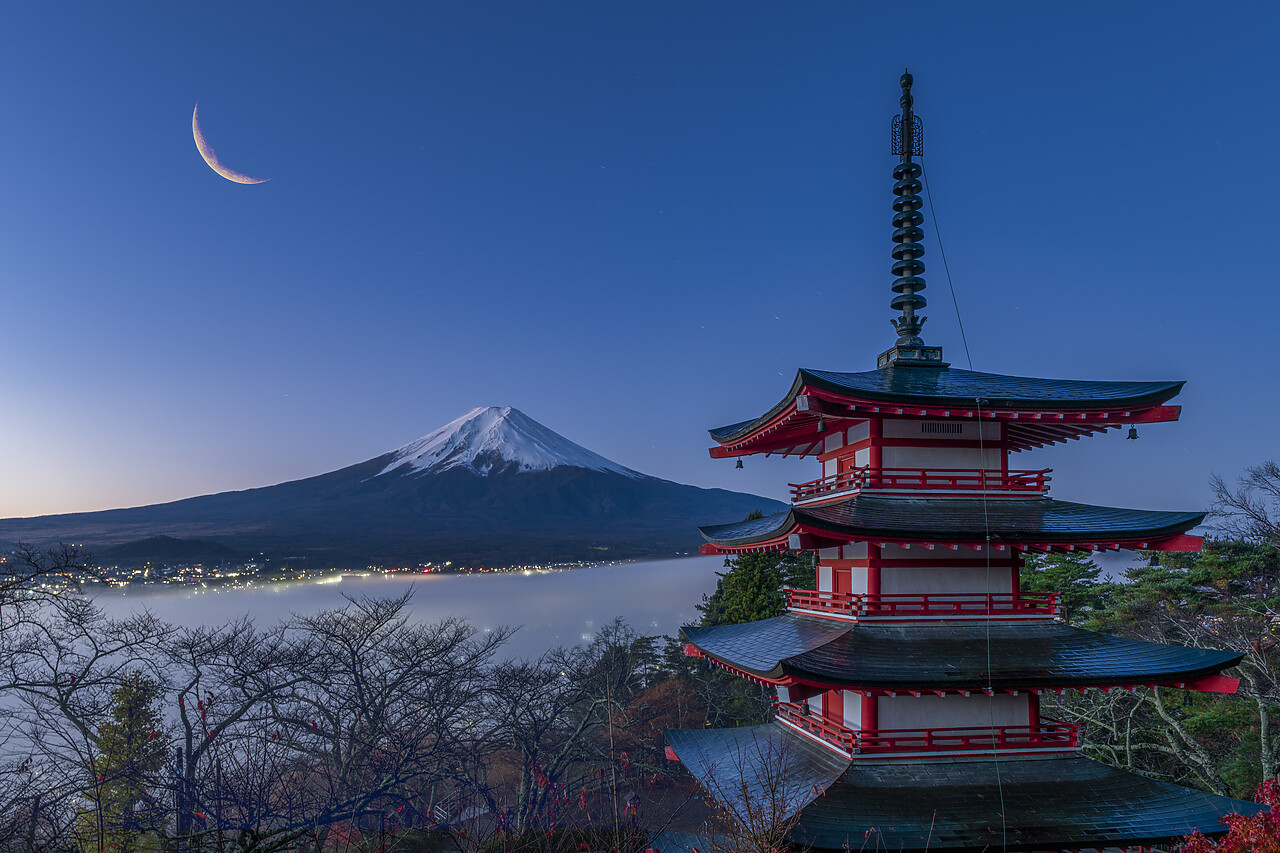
(908, 142)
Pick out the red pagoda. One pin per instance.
(909, 678)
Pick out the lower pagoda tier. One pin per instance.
(964, 804)
(951, 656)
(1017, 522)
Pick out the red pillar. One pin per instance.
(873, 569)
(870, 721)
(875, 431)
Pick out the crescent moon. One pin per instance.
(211, 157)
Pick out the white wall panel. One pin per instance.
(943, 579)
(942, 712)
(852, 709)
(941, 457)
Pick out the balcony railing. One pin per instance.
(923, 479)
(1049, 734)
(833, 733)
(918, 605)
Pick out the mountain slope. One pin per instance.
(493, 487)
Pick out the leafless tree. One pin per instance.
(379, 713)
(1250, 510)
(58, 674)
(341, 722)
(225, 680)
(30, 573)
(30, 577)
(543, 733)
(757, 798)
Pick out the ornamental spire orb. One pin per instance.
(907, 138)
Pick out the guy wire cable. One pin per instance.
(986, 522)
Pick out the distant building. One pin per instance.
(909, 678)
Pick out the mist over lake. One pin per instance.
(549, 608)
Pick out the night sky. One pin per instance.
(632, 221)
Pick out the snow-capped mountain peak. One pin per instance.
(497, 438)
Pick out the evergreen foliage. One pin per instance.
(752, 588)
(1226, 596)
(128, 750)
(1076, 579)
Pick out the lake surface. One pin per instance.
(550, 608)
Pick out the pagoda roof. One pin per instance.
(1040, 411)
(1016, 521)
(958, 804)
(948, 655)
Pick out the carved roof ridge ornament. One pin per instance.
(907, 142)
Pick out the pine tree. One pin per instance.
(128, 750)
(752, 587)
(1075, 577)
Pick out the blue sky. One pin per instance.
(631, 221)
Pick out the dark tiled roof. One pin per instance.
(961, 519)
(949, 655)
(688, 842)
(790, 770)
(926, 386)
(758, 646)
(1047, 804)
(948, 804)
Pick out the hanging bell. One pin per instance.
(822, 425)
(1133, 434)
(739, 465)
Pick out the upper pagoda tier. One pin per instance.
(1035, 412)
(1020, 523)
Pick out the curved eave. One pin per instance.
(966, 804)
(737, 763)
(948, 656)
(1053, 411)
(1029, 523)
(1053, 803)
(757, 649)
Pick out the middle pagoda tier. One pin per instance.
(915, 637)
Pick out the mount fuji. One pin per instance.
(498, 440)
(493, 487)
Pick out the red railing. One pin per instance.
(1050, 734)
(796, 714)
(835, 603)
(926, 479)
(937, 604)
